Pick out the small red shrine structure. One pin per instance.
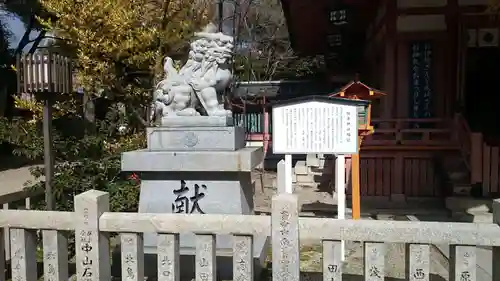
(357, 90)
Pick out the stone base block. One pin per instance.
(225, 193)
(215, 138)
(242, 160)
(196, 121)
(224, 262)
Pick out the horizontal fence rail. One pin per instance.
(310, 228)
(92, 223)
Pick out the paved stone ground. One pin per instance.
(13, 179)
(311, 252)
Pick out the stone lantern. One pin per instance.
(45, 75)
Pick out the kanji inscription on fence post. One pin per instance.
(465, 263)
(23, 254)
(92, 246)
(332, 260)
(132, 256)
(374, 261)
(55, 256)
(168, 257)
(418, 267)
(285, 219)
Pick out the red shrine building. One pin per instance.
(438, 62)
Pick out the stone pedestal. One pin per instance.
(200, 168)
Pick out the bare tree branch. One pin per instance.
(264, 46)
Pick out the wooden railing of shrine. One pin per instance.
(92, 222)
(482, 159)
(432, 133)
(385, 173)
(425, 133)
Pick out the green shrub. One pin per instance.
(89, 162)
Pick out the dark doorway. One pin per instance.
(482, 99)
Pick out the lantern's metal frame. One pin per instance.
(45, 75)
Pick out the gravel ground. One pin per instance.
(311, 252)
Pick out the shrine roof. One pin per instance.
(308, 24)
(347, 90)
(319, 98)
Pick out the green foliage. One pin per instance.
(90, 162)
(117, 48)
(119, 45)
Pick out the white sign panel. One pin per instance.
(315, 127)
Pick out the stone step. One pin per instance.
(301, 168)
(479, 217)
(468, 205)
(304, 178)
(321, 171)
(312, 178)
(306, 185)
(312, 160)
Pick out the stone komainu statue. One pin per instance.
(193, 90)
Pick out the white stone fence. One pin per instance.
(92, 223)
(14, 200)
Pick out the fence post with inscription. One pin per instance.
(92, 246)
(23, 254)
(55, 256)
(285, 237)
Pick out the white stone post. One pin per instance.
(340, 188)
(168, 257)
(281, 178)
(132, 256)
(496, 250)
(243, 258)
(23, 254)
(418, 263)
(288, 174)
(55, 256)
(92, 246)
(2, 256)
